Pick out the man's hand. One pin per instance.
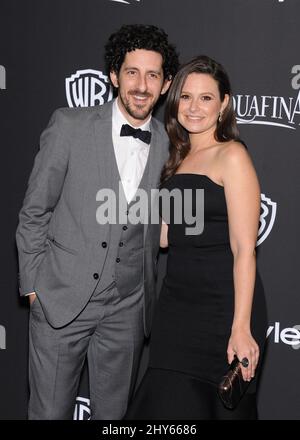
(32, 298)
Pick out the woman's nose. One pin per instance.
(194, 105)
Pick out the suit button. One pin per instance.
(127, 212)
(125, 228)
(118, 260)
(121, 244)
(96, 276)
(104, 244)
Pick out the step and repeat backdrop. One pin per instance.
(51, 55)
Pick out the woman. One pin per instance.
(211, 306)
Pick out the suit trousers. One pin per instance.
(109, 333)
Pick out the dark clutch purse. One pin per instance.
(232, 386)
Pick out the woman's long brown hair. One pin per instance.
(226, 129)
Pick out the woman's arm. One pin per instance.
(164, 235)
(242, 193)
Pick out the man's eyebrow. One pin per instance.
(158, 72)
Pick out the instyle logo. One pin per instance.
(288, 335)
(267, 218)
(2, 78)
(82, 409)
(88, 88)
(2, 338)
(296, 346)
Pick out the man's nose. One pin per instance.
(142, 83)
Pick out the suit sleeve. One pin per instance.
(44, 189)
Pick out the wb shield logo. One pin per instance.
(82, 409)
(88, 88)
(267, 218)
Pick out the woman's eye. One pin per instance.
(206, 98)
(184, 97)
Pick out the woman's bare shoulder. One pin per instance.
(233, 152)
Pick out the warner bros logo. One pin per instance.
(82, 409)
(88, 88)
(267, 218)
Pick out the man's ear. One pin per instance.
(114, 79)
(166, 85)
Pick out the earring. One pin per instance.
(220, 117)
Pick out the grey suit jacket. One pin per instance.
(58, 237)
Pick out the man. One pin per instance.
(92, 285)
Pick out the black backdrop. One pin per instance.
(44, 43)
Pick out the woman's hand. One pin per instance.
(242, 344)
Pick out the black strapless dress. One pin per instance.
(193, 317)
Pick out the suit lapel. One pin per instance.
(156, 160)
(104, 150)
(104, 145)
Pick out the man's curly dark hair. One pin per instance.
(139, 36)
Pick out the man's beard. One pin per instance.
(136, 113)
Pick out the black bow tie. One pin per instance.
(143, 135)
